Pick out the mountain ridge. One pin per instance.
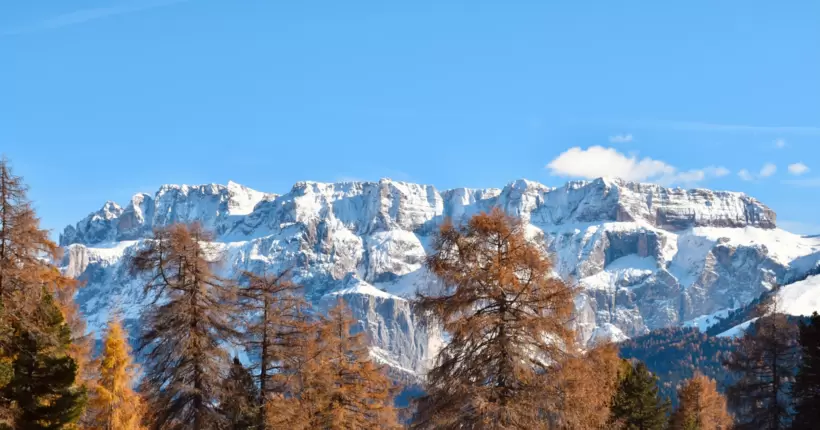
(644, 256)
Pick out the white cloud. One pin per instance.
(798, 169)
(717, 172)
(598, 161)
(745, 175)
(780, 143)
(768, 169)
(620, 138)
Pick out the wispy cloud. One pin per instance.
(807, 182)
(82, 16)
(798, 169)
(767, 170)
(727, 128)
(620, 138)
(780, 143)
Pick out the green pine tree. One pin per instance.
(636, 405)
(807, 384)
(43, 384)
(240, 402)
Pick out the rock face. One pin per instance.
(644, 256)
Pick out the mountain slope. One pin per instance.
(645, 256)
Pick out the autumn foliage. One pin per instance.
(701, 406)
(336, 385)
(507, 321)
(113, 404)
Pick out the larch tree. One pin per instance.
(113, 403)
(25, 250)
(184, 329)
(585, 387)
(28, 279)
(507, 319)
(239, 402)
(361, 395)
(275, 322)
(765, 361)
(637, 405)
(336, 386)
(701, 406)
(806, 393)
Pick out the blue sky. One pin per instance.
(103, 99)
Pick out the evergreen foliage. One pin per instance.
(39, 387)
(42, 387)
(676, 354)
(636, 405)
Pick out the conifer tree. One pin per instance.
(64, 290)
(24, 249)
(806, 392)
(700, 407)
(336, 386)
(43, 383)
(636, 405)
(506, 317)
(184, 329)
(276, 320)
(239, 403)
(361, 395)
(765, 361)
(585, 388)
(113, 404)
(27, 274)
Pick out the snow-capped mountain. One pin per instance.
(644, 256)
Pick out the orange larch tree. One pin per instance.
(113, 403)
(701, 406)
(507, 318)
(335, 385)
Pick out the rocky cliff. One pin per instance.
(645, 256)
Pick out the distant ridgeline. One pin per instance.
(675, 353)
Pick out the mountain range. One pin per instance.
(644, 256)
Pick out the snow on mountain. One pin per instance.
(644, 256)
(800, 298)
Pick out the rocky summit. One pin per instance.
(644, 256)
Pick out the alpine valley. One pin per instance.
(645, 257)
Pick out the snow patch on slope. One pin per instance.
(781, 245)
(704, 322)
(801, 298)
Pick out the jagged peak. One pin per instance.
(526, 184)
(109, 210)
